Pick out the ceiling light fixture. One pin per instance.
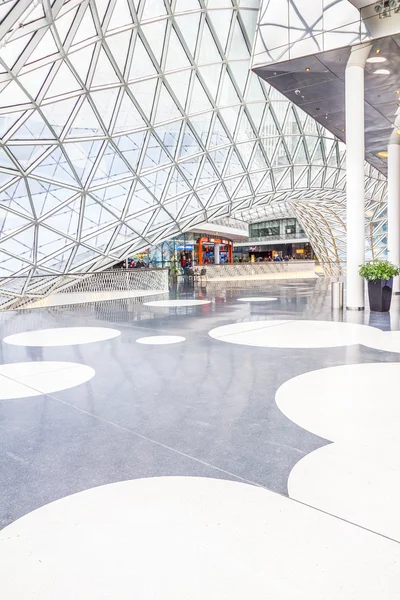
(378, 51)
(398, 131)
(383, 154)
(382, 72)
(308, 69)
(376, 59)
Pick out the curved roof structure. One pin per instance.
(123, 122)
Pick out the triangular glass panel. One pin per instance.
(142, 199)
(45, 48)
(63, 24)
(155, 155)
(66, 220)
(219, 136)
(81, 61)
(169, 136)
(211, 74)
(142, 65)
(104, 73)
(58, 113)
(234, 165)
(285, 182)
(230, 117)
(190, 167)
(85, 123)
(5, 161)
(177, 185)
(238, 49)
(176, 56)
(189, 27)
(34, 80)
(47, 196)
(144, 94)
(86, 28)
(83, 156)
(8, 120)
(21, 244)
(155, 34)
(155, 182)
(34, 128)
(26, 155)
(245, 149)
(190, 145)
(95, 217)
(179, 83)
(202, 124)
(110, 168)
(244, 190)
(10, 222)
(121, 15)
(192, 207)
(208, 174)
(16, 198)
(199, 101)
(105, 103)
(55, 167)
(228, 95)
(113, 197)
(218, 157)
(128, 116)
(167, 110)
(64, 82)
(12, 95)
(119, 46)
(131, 147)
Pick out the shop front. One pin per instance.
(214, 251)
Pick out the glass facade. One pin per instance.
(126, 123)
(279, 229)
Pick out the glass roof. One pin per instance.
(123, 122)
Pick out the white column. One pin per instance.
(394, 204)
(355, 153)
(216, 254)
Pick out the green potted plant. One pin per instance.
(379, 275)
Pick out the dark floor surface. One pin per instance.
(202, 407)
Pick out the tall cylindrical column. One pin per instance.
(394, 204)
(216, 254)
(355, 153)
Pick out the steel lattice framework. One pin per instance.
(123, 122)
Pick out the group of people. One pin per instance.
(277, 258)
(136, 264)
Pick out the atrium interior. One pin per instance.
(199, 299)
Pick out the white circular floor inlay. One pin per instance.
(176, 303)
(183, 538)
(358, 476)
(23, 380)
(156, 340)
(293, 334)
(62, 336)
(389, 341)
(260, 299)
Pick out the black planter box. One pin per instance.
(380, 295)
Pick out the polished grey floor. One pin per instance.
(202, 407)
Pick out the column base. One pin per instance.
(355, 307)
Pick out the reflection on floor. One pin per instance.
(278, 449)
(64, 299)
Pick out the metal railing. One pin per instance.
(278, 237)
(19, 291)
